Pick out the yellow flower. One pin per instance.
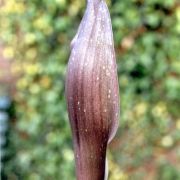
(167, 141)
(178, 124)
(30, 38)
(12, 6)
(41, 22)
(74, 7)
(178, 19)
(22, 83)
(159, 110)
(140, 108)
(45, 81)
(116, 172)
(61, 2)
(8, 52)
(31, 69)
(34, 89)
(31, 53)
(178, 14)
(68, 154)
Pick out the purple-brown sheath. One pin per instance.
(92, 91)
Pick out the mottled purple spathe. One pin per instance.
(92, 91)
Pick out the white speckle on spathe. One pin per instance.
(97, 78)
(86, 130)
(105, 110)
(84, 110)
(78, 103)
(107, 73)
(104, 67)
(109, 96)
(110, 62)
(74, 52)
(109, 91)
(99, 19)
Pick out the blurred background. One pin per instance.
(35, 136)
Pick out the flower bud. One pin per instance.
(92, 91)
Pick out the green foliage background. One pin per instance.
(36, 35)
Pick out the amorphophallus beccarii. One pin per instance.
(92, 91)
